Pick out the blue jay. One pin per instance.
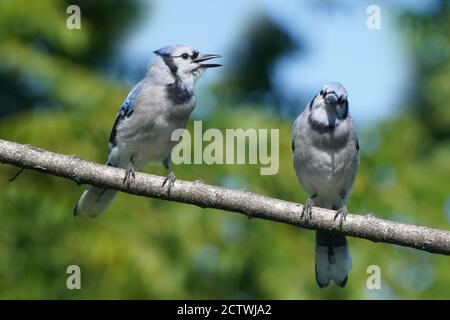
(326, 159)
(159, 104)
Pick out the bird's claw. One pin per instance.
(129, 172)
(14, 177)
(342, 212)
(170, 180)
(307, 209)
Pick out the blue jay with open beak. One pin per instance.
(159, 104)
(326, 159)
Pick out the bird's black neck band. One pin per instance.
(321, 127)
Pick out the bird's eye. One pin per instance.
(321, 92)
(185, 56)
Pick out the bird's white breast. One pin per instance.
(325, 163)
(147, 133)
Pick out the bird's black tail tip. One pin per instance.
(342, 283)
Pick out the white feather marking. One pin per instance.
(94, 201)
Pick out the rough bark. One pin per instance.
(365, 226)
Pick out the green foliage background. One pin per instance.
(55, 97)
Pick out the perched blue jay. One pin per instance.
(155, 107)
(326, 158)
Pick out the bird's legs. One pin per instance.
(307, 207)
(129, 172)
(342, 211)
(170, 179)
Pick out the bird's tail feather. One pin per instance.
(333, 259)
(94, 201)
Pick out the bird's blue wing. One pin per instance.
(125, 111)
(127, 106)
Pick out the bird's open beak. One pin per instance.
(205, 57)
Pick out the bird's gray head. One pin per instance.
(184, 62)
(332, 99)
(334, 94)
(330, 105)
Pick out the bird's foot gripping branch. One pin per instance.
(207, 196)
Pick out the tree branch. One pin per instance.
(207, 196)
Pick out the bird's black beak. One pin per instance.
(331, 99)
(205, 57)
